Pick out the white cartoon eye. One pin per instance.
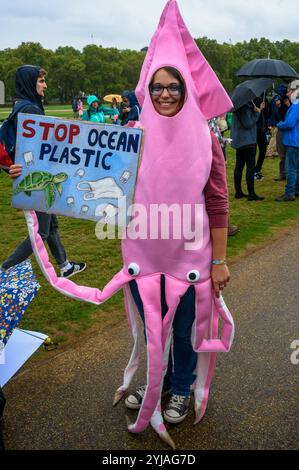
(193, 276)
(133, 269)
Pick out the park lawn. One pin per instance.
(56, 110)
(63, 111)
(67, 320)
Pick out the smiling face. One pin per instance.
(167, 93)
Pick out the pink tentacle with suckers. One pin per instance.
(158, 334)
(174, 290)
(132, 366)
(149, 289)
(206, 301)
(206, 343)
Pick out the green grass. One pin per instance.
(67, 320)
(57, 110)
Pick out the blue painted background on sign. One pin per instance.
(76, 168)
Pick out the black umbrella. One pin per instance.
(267, 68)
(249, 90)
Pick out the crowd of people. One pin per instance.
(270, 128)
(120, 113)
(258, 129)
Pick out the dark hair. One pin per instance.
(176, 74)
(41, 73)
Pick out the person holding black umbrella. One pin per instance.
(244, 132)
(244, 139)
(272, 68)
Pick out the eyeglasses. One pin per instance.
(173, 89)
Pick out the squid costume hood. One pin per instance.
(175, 167)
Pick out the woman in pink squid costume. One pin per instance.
(175, 169)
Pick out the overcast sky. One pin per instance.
(131, 23)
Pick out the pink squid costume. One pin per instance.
(175, 168)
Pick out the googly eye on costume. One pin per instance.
(133, 269)
(193, 276)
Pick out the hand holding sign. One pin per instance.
(71, 167)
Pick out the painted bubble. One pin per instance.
(28, 158)
(125, 176)
(70, 201)
(80, 172)
(84, 209)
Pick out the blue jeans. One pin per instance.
(292, 169)
(180, 375)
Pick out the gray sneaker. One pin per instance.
(134, 401)
(177, 409)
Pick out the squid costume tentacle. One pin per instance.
(174, 170)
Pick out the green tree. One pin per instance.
(66, 75)
(109, 70)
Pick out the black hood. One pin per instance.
(26, 78)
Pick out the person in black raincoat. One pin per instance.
(133, 109)
(244, 138)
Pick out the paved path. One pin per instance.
(65, 403)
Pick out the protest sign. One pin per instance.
(74, 168)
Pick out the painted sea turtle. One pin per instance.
(42, 181)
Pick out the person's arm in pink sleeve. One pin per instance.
(216, 193)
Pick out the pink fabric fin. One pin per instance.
(149, 289)
(213, 99)
(65, 286)
(133, 363)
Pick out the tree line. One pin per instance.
(110, 70)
